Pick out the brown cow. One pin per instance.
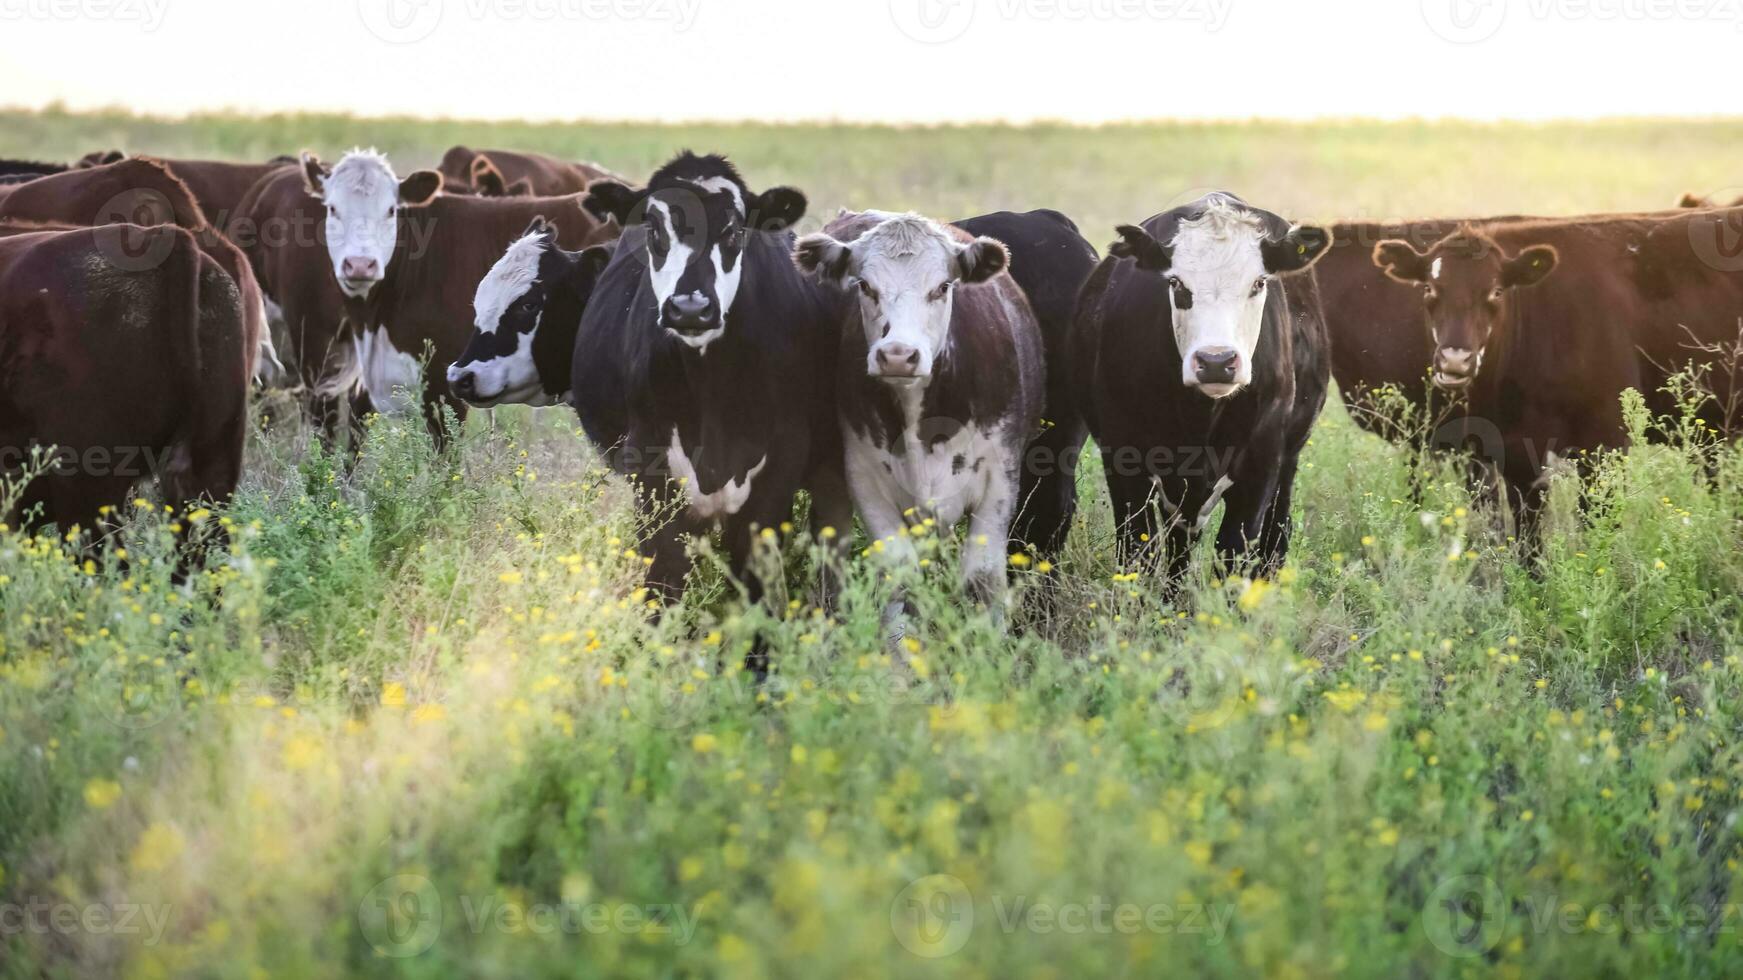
(1541, 324)
(129, 368)
(408, 260)
(142, 191)
(217, 185)
(506, 173)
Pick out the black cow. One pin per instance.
(724, 351)
(1201, 378)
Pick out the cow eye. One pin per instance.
(1259, 285)
(1174, 283)
(937, 295)
(868, 291)
(1428, 291)
(1496, 294)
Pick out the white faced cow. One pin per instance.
(1201, 376)
(363, 198)
(940, 382)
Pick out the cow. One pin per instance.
(939, 383)
(506, 173)
(1201, 377)
(217, 185)
(1539, 326)
(128, 369)
(19, 171)
(724, 350)
(1050, 260)
(142, 190)
(527, 313)
(407, 259)
(280, 227)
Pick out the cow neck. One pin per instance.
(719, 403)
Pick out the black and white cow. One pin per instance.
(724, 398)
(528, 312)
(1201, 376)
(940, 382)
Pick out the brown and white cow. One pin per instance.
(409, 259)
(507, 173)
(129, 360)
(143, 191)
(940, 383)
(1541, 324)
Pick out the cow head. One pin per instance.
(907, 269)
(1220, 262)
(1467, 284)
(363, 199)
(528, 310)
(699, 218)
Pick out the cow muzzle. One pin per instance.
(1455, 367)
(358, 275)
(1217, 370)
(690, 315)
(897, 362)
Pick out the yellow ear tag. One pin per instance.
(1301, 250)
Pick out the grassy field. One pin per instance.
(419, 724)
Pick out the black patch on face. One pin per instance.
(957, 464)
(1182, 295)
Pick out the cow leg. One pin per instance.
(885, 526)
(1135, 516)
(1047, 492)
(983, 560)
(79, 499)
(1246, 517)
(666, 547)
(832, 527)
(1279, 526)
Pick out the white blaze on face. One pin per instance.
(665, 272)
(1217, 259)
(362, 198)
(909, 263)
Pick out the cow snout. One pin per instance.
(1454, 366)
(691, 313)
(357, 269)
(1216, 365)
(898, 361)
(463, 383)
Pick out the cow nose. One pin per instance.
(1455, 360)
(691, 312)
(463, 383)
(1216, 365)
(360, 269)
(898, 361)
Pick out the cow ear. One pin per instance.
(487, 180)
(314, 174)
(822, 256)
(100, 158)
(1300, 249)
(589, 265)
(1135, 243)
(420, 188)
(1401, 262)
(609, 200)
(540, 226)
(1692, 200)
(520, 188)
(776, 209)
(1530, 267)
(981, 260)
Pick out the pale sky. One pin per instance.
(880, 60)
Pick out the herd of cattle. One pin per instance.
(921, 373)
